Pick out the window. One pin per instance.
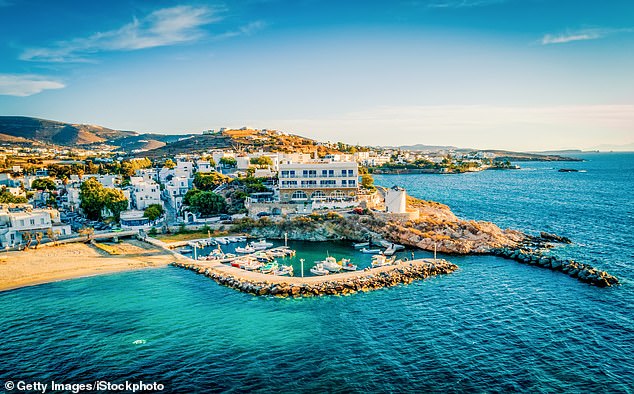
(22, 222)
(41, 220)
(331, 173)
(299, 195)
(344, 172)
(352, 182)
(350, 172)
(32, 222)
(337, 194)
(318, 195)
(344, 183)
(284, 174)
(324, 172)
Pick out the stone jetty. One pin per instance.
(336, 284)
(583, 272)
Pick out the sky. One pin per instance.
(500, 74)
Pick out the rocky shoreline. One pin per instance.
(339, 284)
(582, 272)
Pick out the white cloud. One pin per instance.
(26, 85)
(167, 26)
(581, 35)
(245, 30)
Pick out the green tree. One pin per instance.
(7, 198)
(208, 203)
(44, 184)
(153, 212)
(187, 199)
(228, 162)
(367, 182)
(262, 161)
(209, 181)
(169, 163)
(94, 198)
(115, 202)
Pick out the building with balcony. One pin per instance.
(144, 193)
(15, 220)
(319, 181)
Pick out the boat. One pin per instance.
(261, 244)
(348, 266)
(319, 270)
(330, 263)
(361, 245)
(230, 255)
(284, 270)
(380, 260)
(252, 265)
(370, 251)
(245, 250)
(185, 251)
(268, 268)
(222, 241)
(391, 249)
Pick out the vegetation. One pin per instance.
(7, 198)
(228, 162)
(367, 182)
(44, 184)
(153, 212)
(206, 203)
(262, 161)
(94, 198)
(208, 182)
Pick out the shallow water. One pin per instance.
(494, 325)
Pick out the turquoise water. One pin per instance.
(493, 326)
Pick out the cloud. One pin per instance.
(582, 35)
(164, 27)
(245, 30)
(26, 85)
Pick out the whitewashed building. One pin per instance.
(144, 193)
(15, 220)
(318, 181)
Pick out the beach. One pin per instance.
(68, 261)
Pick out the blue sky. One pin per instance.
(514, 74)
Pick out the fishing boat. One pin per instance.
(245, 250)
(361, 245)
(380, 260)
(284, 271)
(261, 244)
(348, 266)
(319, 270)
(330, 263)
(370, 251)
(268, 268)
(252, 265)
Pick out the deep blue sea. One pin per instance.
(493, 326)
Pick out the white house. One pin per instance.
(144, 193)
(175, 190)
(15, 220)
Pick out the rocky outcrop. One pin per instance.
(371, 279)
(583, 272)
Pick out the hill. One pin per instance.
(22, 129)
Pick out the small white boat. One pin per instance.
(230, 255)
(348, 266)
(222, 241)
(232, 239)
(370, 251)
(331, 264)
(245, 250)
(319, 270)
(185, 250)
(252, 265)
(380, 260)
(284, 270)
(390, 250)
(261, 244)
(361, 245)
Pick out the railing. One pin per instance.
(318, 187)
(318, 176)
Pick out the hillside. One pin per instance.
(248, 140)
(22, 129)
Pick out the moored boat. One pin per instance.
(319, 270)
(370, 251)
(245, 250)
(380, 260)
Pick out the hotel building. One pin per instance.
(318, 181)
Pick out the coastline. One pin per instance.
(77, 260)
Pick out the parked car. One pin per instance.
(263, 214)
(226, 217)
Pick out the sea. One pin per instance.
(493, 326)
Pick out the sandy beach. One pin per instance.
(54, 263)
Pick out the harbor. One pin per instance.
(345, 283)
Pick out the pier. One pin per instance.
(335, 284)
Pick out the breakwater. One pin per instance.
(582, 272)
(337, 284)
